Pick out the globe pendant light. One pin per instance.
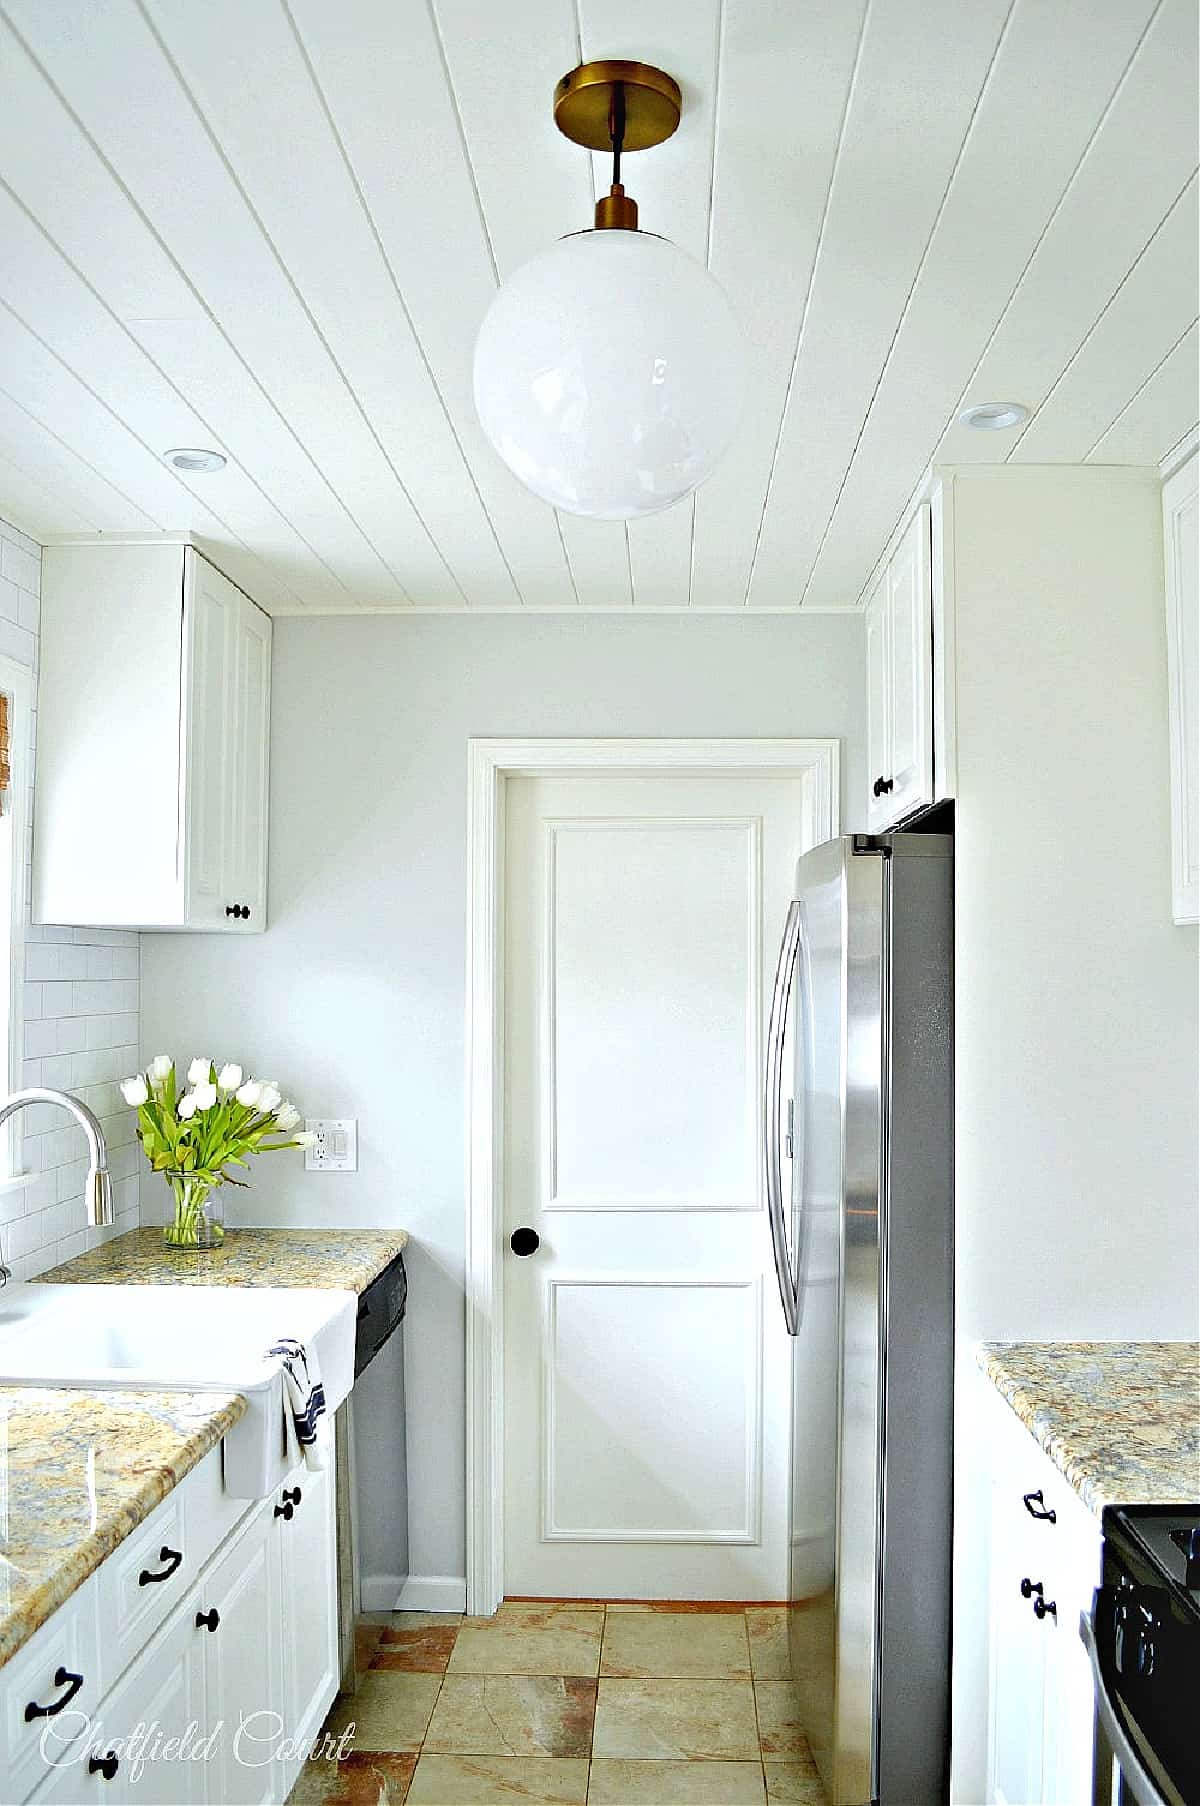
(608, 370)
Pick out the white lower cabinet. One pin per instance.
(243, 1694)
(1044, 1562)
(219, 1703)
(308, 1546)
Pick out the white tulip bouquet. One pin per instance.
(192, 1139)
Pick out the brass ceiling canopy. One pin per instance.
(617, 106)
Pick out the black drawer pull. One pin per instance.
(291, 1495)
(104, 1765)
(1029, 1588)
(285, 1511)
(172, 1557)
(208, 1620)
(1045, 1608)
(883, 786)
(1046, 1515)
(62, 1678)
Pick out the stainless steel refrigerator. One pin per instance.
(858, 1137)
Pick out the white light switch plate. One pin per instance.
(336, 1146)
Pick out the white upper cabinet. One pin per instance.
(1181, 534)
(899, 621)
(153, 724)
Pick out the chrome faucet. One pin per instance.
(98, 1196)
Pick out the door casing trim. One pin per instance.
(491, 763)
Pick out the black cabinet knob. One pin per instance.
(291, 1495)
(1045, 1608)
(1029, 1588)
(208, 1620)
(231, 909)
(524, 1241)
(104, 1765)
(285, 1511)
(883, 786)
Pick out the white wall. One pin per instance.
(80, 1004)
(1076, 1019)
(354, 998)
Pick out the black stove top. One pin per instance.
(1168, 1537)
(1146, 1623)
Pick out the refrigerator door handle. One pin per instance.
(776, 1036)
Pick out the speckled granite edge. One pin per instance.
(1119, 1420)
(346, 1260)
(114, 1454)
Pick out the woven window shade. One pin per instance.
(5, 771)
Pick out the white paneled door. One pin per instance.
(646, 1387)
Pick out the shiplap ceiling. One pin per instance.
(272, 227)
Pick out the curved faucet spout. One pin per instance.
(98, 1196)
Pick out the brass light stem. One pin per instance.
(618, 106)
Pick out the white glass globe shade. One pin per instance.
(609, 374)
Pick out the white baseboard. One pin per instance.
(416, 1593)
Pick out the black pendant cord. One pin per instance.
(616, 129)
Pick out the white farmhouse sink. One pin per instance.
(183, 1338)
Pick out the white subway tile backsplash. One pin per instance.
(80, 1004)
(72, 1033)
(40, 1038)
(58, 999)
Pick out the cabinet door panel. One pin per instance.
(879, 739)
(243, 1693)
(307, 1545)
(162, 1692)
(1018, 1666)
(246, 881)
(212, 609)
(910, 612)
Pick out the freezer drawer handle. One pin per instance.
(1047, 1514)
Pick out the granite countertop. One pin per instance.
(80, 1470)
(345, 1259)
(1120, 1420)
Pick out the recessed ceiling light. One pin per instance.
(194, 457)
(995, 416)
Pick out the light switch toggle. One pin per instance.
(336, 1147)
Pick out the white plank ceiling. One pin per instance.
(272, 227)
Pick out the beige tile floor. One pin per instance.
(579, 1704)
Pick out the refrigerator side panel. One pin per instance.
(859, 1427)
(917, 1309)
(814, 1234)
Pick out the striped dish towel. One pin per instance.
(305, 1405)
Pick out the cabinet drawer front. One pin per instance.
(143, 1581)
(60, 1663)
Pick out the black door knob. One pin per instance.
(524, 1241)
(883, 786)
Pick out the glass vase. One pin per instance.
(199, 1215)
